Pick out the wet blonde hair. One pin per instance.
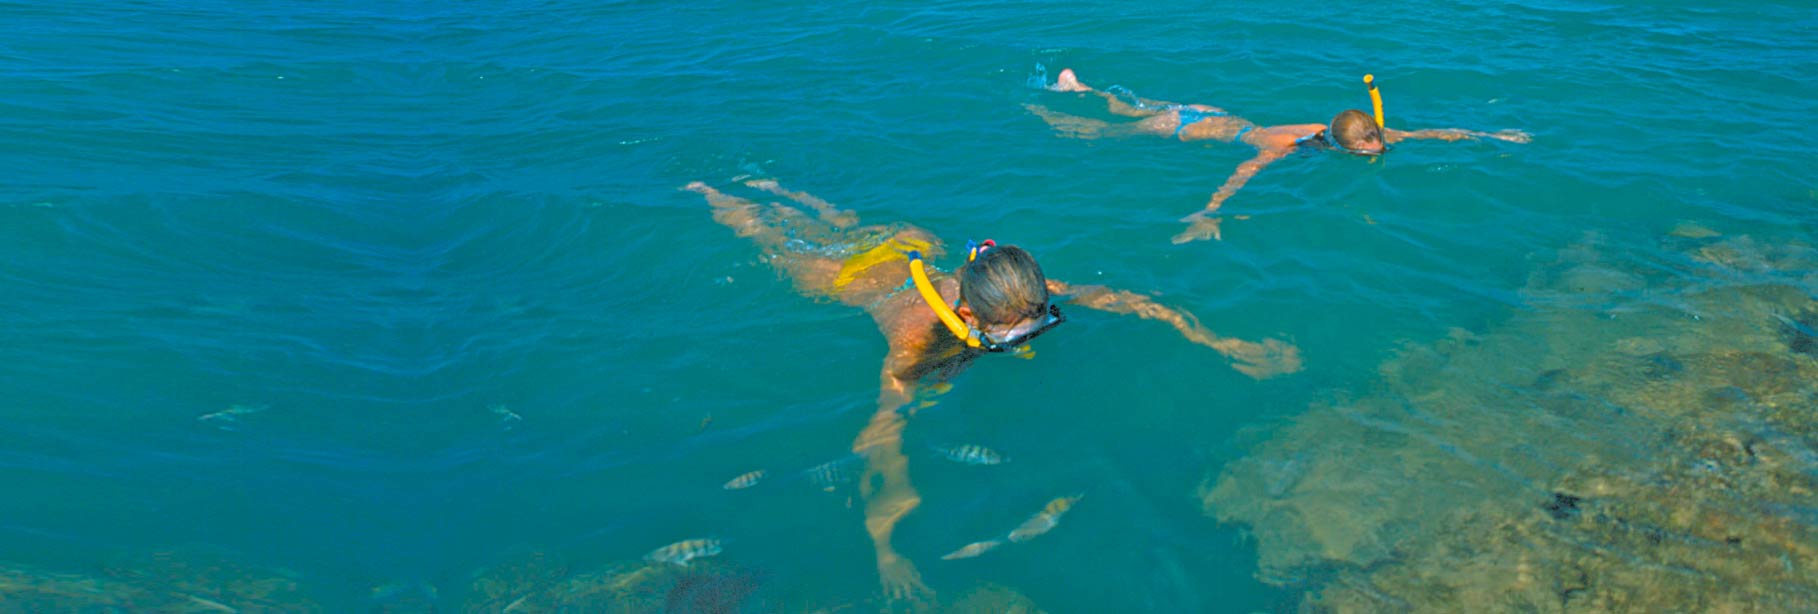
(1352, 127)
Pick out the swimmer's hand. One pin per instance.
(900, 578)
(1512, 136)
(1260, 360)
(1199, 228)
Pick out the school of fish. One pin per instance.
(829, 476)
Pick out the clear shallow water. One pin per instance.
(381, 221)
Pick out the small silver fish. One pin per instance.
(228, 419)
(746, 480)
(507, 418)
(973, 549)
(1045, 520)
(209, 605)
(681, 552)
(971, 454)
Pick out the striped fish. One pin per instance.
(971, 454)
(1034, 526)
(681, 552)
(746, 480)
(973, 549)
(1045, 520)
(829, 476)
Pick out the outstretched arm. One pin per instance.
(1244, 172)
(885, 486)
(1201, 224)
(1457, 134)
(1258, 360)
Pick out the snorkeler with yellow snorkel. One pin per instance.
(936, 323)
(1351, 131)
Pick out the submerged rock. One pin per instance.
(1597, 452)
(995, 598)
(501, 587)
(26, 589)
(539, 582)
(209, 579)
(187, 580)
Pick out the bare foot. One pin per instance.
(901, 580)
(1068, 82)
(1200, 229)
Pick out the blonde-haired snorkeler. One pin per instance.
(1000, 301)
(1352, 131)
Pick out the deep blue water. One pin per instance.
(437, 257)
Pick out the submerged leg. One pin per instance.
(741, 215)
(1073, 126)
(888, 494)
(1120, 99)
(833, 216)
(772, 229)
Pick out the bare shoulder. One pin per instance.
(912, 331)
(1284, 136)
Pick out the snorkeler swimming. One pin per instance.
(1351, 131)
(997, 302)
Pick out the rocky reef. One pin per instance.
(1643, 436)
(535, 582)
(189, 580)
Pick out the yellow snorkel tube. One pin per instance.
(919, 273)
(1375, 99)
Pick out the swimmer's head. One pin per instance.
(1003, 292)
(1356, 132)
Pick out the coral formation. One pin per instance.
(1635, 440)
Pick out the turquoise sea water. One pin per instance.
(382, 294)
